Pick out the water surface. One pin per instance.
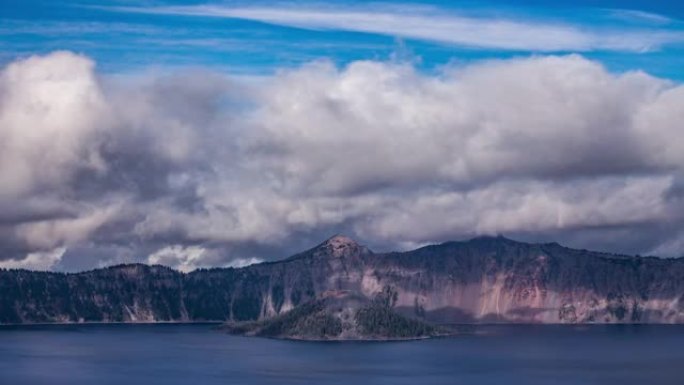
(196, 354)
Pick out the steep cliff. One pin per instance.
(488, 279)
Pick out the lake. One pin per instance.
(197, 354)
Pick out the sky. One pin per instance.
(204, 133)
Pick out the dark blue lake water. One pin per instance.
(196, 354)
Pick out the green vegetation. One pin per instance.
(308, 320)
(340, 315)
(383, 322)
(380, 320)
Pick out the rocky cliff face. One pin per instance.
(489, 279)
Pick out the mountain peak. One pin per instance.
(340, 246)
(340, 240)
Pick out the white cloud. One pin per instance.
(373, 125)
(183, 258)
(243, 262)
(515, 207)
(189, 258)
(442, 26)
(639, 16)
(50, 233)
(195, 170)
(39, 260)
(51, 111)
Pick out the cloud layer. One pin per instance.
(489, 30)
(199, 169)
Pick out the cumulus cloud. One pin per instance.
(40, 260)
(189, 258)
(489, 121)
(179, 257)
(199, 169)
(50, 110)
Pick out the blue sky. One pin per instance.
(260, 37)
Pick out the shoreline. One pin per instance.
(450, 325)
(113, 323)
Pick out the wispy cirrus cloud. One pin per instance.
(639, 16)
(449, 27)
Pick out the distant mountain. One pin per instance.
(484, 280)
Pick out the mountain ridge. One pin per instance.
(482, 280)
(599, 254)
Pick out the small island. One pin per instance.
(341, 316)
